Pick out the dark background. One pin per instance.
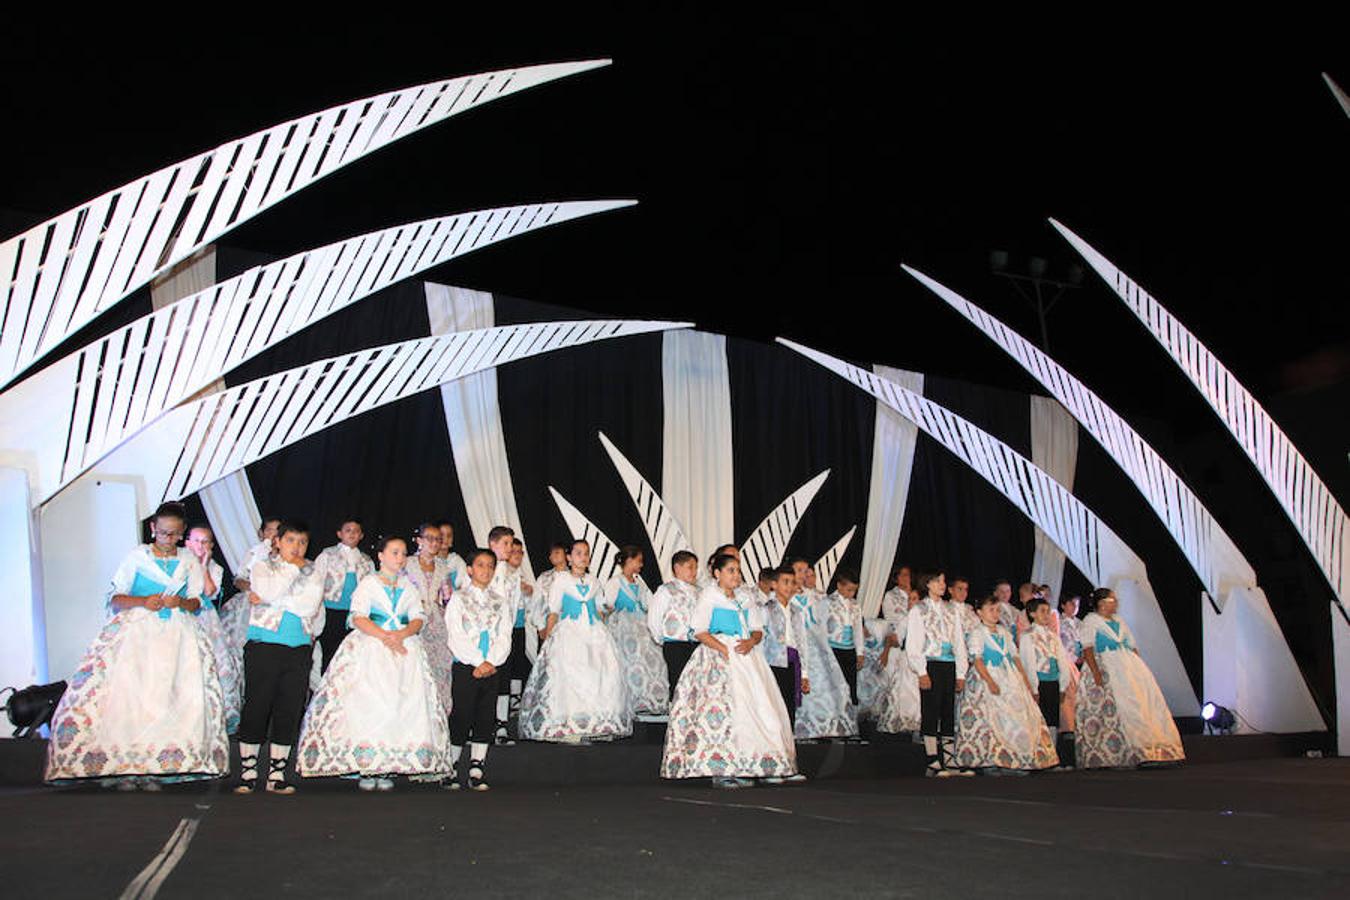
(785, 166)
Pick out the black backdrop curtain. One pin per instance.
(791, 419)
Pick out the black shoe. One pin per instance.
(503, 738)
(477, 779)
(248, 774)
(451, 781)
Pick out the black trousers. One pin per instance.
(677, 655)
(848, 662)
(1047, 695)
(787, 686)
(937, 704)
(335, 630)
(474, 705)
(276, 683)
(517, 666)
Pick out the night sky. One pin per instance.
(785, 168)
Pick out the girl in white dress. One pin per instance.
(1000, 726)
(577, 690)
(377, 714)
(898, 712)
(430, 573)
(202, 543)
(1123, 720)
(728, 720)
(627, 601)
(537, 612)
(145, 704)
(828, 710)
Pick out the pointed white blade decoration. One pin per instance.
(67, 417)
(1096, 550)
(826, 565)
(1336, 92)
(1212, 554)
(207, 439)
(766, 545)
(58, 276)
(1321, 521)
(602, 548)
(663, 532)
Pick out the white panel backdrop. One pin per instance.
(892, 466)
(474, 420)
(697, 482)
(1054, 448)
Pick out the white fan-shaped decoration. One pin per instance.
(582, 529)
(59, 275)
(827, 564)
(68, 416)
(663, 531)
(765, 546)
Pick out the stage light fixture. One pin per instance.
(1037, 266)
(33, 707)
(998, 260)
(1218, 719)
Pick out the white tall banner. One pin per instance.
(1054, 448)
(697, 481)
(892, 466)
(23, 642)
(229, 503)
(474, 420)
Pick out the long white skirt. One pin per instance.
(227, 666)
(577, 688)
(376, 713)
(1125, 721)
(145, 700)
(234, 625)
(828, 710)
(728, 719)
(642, 663)
(1004, 730)
(900, 712)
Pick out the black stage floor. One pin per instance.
(1245, 827)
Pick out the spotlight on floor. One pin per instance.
(33, 707)
(1218, 719)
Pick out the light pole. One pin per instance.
(1044, 292)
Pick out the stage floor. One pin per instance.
(1275, 827)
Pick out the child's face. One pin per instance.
(960, 590)
(938, 586)
(848, 590)
(785, 586)
(447, 537)
(729, 576)
(517, 556)
(579, 557)
(501, 548)
(429, 541)
(269, 531)
(167, 531)
(1042, 616)
(989, 614)
(292, 545)
(557, 558)
(687, 571)
(799, 570)
(393, 556)
(482, 570)
(350, 534)
(766, 585)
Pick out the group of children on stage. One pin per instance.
(392, 667)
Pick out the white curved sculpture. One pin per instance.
(59, 275)
(209, 438)
(1253, 671)
(1093, 547)
(1321, 521)
(582, 529)
(64, 419)
(663, 532)
(826, 565)
(766, 545)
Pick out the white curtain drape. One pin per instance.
(697, 479)
(892, 466)
(229, 503)
(474, 419)
(1054, 448)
